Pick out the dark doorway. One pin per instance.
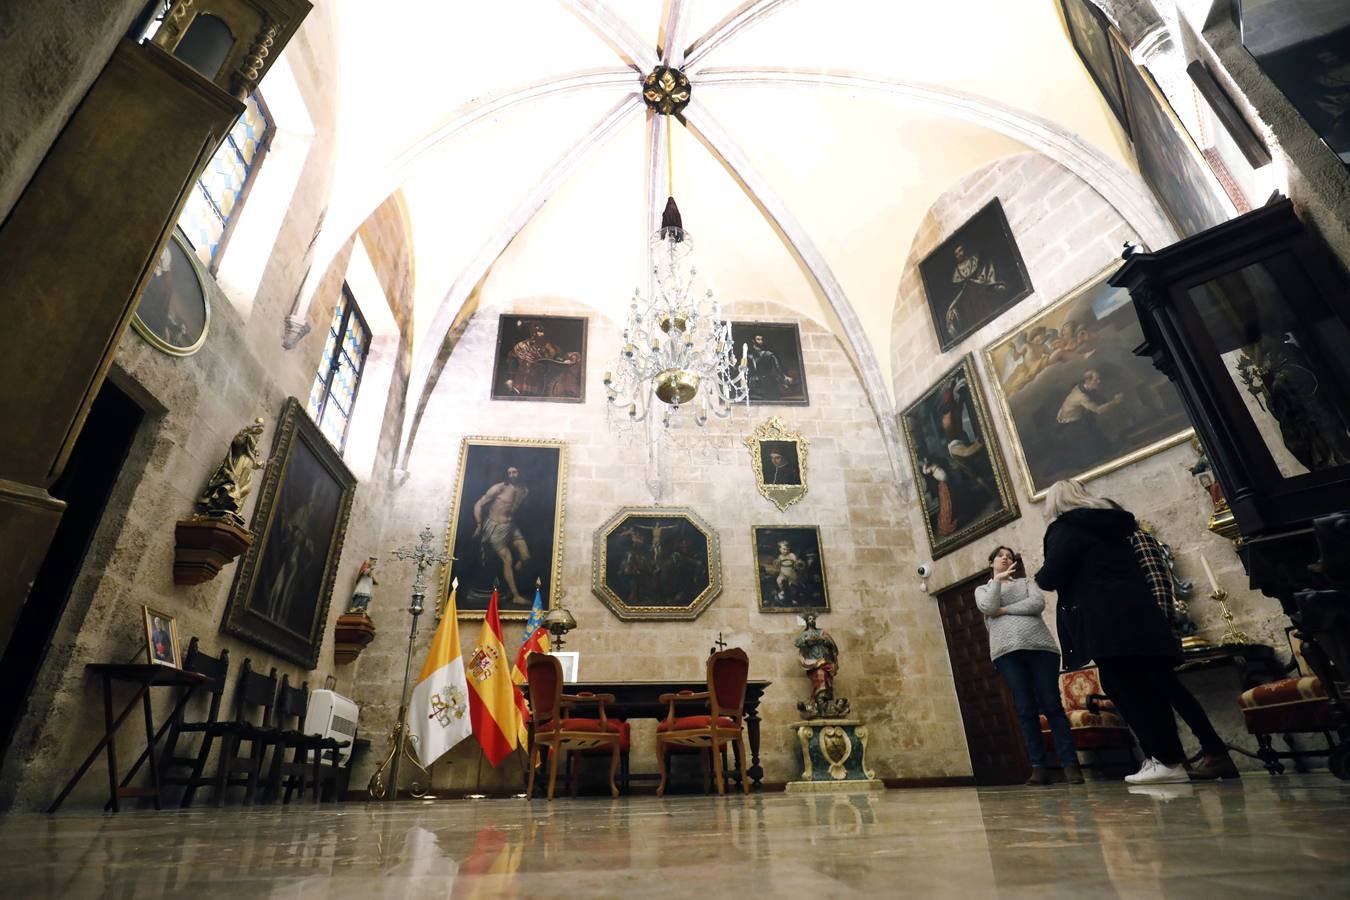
(992, 733)
(95, 462)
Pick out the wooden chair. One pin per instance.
(724, 724)
(171, 758)
(254, 696)
(554, 730)
(303, 766)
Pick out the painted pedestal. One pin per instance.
(833, 756)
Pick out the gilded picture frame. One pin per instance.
(964, 489)
(1037, 366)
(653, 563)
(536, 520)
(775, 365)
(284, 583)
(778, 459)
(790, 569)
(173, 314)
(540, 358)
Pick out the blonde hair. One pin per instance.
(1070, 494)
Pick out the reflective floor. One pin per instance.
(1261, 836)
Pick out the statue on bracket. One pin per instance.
(217, 534)
(230, 484)
(778, 457)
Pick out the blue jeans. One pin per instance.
(1033, 676)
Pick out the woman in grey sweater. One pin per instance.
(1026, 655)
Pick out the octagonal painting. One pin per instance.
(656, 562)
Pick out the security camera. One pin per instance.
(925, 570)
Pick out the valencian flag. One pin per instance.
(438, 716)
(494, 700)
(534, 640)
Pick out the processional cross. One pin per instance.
(424, 556)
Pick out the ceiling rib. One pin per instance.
(632, 47)
(736, 21)
(672, 54)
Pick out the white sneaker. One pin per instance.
(1154, 772)
(1143, 773)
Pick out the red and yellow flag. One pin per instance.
(494, 700)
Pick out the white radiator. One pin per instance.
(332, 715)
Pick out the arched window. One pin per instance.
(213, 206)
(333, 395)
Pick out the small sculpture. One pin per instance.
(819, 656)
(232, 480)
(365, 587)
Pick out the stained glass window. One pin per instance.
(219, 192)
(333, 395)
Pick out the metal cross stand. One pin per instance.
(424, 557)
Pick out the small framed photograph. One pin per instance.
(161, 638)
(571, 661)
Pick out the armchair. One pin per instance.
(724, 724)
(554, 729)
(1093, 721)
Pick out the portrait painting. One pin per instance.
(791, 568)
(778, 457)
(161, 638)
(1090, 33)
(775, 372)
(1077, 401)
(656, 563)
(1170, 162)
(974, 275)
(957, 463)
(284, 582)
(540, 358)
(505, 530)
(173, 313)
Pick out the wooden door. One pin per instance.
(997, 754)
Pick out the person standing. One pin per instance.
(1106, 613)
(1025, 654)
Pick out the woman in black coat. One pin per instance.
(1106, 612)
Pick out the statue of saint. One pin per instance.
(819, 657)
(365, 587)
(232, 480)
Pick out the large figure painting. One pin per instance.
(773, 358)
(974, 275)
(656, 563)
(956, 461)
(540, 358)
(285, 580)
(506, 524)
(1078, 402)
(791, 569)
(1091, 36)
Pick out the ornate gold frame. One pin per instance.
(759, 582)
(155, 340)
(780, 495)
(599, 561)
(555, 593)
(1005, 411)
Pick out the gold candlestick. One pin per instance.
(1231, 634)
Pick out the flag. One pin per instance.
(533, 640)
(494, 700)
(438, 717)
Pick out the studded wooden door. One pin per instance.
(993, 735)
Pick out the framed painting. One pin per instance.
(505, 528)
(1077, 401)
(974, 275)
(778, 458)
(284, 582)
(791, 569)
(161, 638)
(173, 314)
(540, 358)
(774, 367)
(963, 484)
(1090, 34)
(656, 562)
(1170, 162)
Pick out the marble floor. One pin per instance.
(1260, 837)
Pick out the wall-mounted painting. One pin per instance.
(778, 458)
(957, 464)
(656, 562)
(1090, 33)
(1168, 159)
(775, 371)
(791, 569)
(505, 527)
(1078, 402)
(540, 358)
(282, 588)
(174, 314)
(974, 275)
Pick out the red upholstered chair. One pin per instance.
(1093, 721)
(724, 724)
(1288, 706)
(554, 729)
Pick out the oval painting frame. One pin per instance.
(174, 314)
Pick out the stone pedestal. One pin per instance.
(833, 756)
(351, 634)
(202, 546)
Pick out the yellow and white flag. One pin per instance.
(438, 717)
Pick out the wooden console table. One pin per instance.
(1255, 663)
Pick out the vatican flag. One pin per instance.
(438, 717)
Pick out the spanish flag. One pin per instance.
(494, 700)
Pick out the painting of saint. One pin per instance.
(774, 368)
(1079, 403)
(1090, 33)
(974, 275)
(173, 313)
(656, 563)
(540, 358)
(791, 569)
(955, 457)
(780, 462)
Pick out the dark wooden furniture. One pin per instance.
(554, 728)
(303, 768)
(723, 723)
(1255, 663)
(254, 696)
(145, 676)
(170, 762)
